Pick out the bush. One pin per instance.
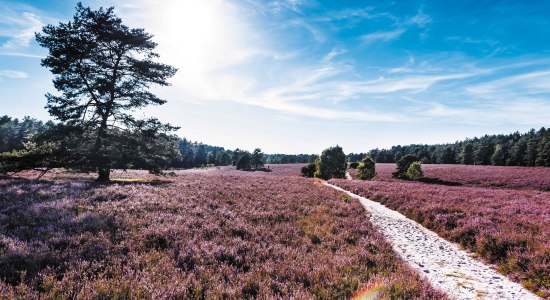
(353, 165)
(403, 166)
(366, 169)
(331, 164)
(414, 172)
(308, 170)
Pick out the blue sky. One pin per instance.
(297, 76)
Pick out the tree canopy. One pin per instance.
(366, 169)
(331, 164)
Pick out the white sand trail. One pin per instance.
(443, 263)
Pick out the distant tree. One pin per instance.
(499, 157)
(244, 162)
(15, 133)
(186, 157)
(308, 170)
(222, 158)
(543, 150)
(543, 153)
(517, 153)
(366, 169)
(484, 152)
(331, 164)
(353, 165)
(448, 156)
(385, 156)
(236, 156)
(531, 150)
(257, 158)
(104, 70)
(414, 172)
(467, 154)
(199, 156)
(403, 165)
(211, 158)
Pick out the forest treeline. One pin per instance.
(15, 133)
(516, 149)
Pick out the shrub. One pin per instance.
(353, 165)
(308, 170)
(403, 165)
(331, 164)
(414, 172)
(366, 169)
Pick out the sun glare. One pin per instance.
(199, 37)
(193, 27)
(197, 32)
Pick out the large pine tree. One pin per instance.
(104, 70)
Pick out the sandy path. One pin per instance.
(443, 263)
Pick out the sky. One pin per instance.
(298, 76)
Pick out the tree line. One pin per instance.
(15, 134)
(517, 149)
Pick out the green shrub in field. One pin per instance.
(366, 169)
(403, 166)
(414, 172)
(308, 170)
(353, 165)
(331, 164)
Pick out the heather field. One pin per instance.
(507, 227)
(536, 178)
(216, 233)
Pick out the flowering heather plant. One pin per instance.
(534, 178)
(213, 233)
(506, 227)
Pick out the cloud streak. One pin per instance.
(18, 25)
(381, 36)
(13, 74)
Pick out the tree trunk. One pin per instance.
(103, 174)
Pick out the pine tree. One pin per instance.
(531, 150)
(484, 152)
(499, 157)
(104, 70)
(448, 156)
(257, 158)
(543, 153)
(467, 154)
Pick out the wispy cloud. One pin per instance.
(523, 111)
(21, 36)
(317, 34)
(279, 6)
(383, 36)
(13, 74)
(531, 83)
(420, 19)
(18, 26)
